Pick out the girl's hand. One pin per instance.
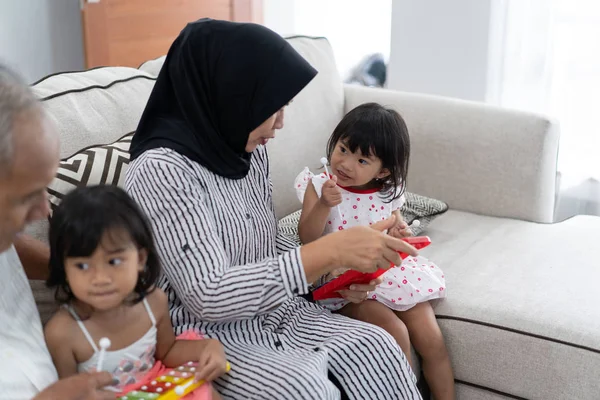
(330, 193)
(367, 249)
(400, 231)
(359, 293)
(212, 362)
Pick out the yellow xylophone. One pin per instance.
(173, 385)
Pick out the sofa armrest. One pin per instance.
(475, 157)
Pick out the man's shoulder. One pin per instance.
(9, 256)
(14, 278)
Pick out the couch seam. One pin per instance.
(75, 71)
(305, 37)
(512, 330)
(487, 389)
(85, 89)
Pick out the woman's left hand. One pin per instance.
(212, 362)
(359, 293)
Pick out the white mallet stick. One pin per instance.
(104, 344)
(324, 162)
(180, 390)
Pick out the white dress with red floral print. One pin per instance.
(414, 281)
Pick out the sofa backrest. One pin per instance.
(309, 121)
(101, 105)
(94, 107)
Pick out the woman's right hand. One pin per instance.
(367, 249)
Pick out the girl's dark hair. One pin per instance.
(77, 227)
(380, 132)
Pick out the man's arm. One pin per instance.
(34, 256)
(86, 386)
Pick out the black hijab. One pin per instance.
(219, 82)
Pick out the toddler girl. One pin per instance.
(104, 268)
(369, 153)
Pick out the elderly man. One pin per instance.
(29, 153)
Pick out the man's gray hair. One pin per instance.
(15, 98)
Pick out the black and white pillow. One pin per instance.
(96, 165)
(425, 209)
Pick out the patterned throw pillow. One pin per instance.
(425, 209)
(97, 165)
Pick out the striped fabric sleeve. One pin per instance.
(193, 255)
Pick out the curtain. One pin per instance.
(551, 65)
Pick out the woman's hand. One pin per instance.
(359, 293)
(212, 362)
(367, 249)
(362, 248)
(330, 193)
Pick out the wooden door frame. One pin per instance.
(95, 30)
(247, 11)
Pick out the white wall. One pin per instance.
(355, 28)
(278, 15)
(41, 37)
(441, 47)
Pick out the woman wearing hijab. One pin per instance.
(200, 171)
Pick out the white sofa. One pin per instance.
(521, 319)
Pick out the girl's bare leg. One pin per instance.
(427, 338)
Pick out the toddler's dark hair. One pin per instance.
(78, 224)
(381, 132)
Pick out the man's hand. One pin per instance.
(86, 386)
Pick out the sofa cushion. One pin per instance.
(96, 165)
(153, 67)
(94, 107)
(91, 108)
(520, 317)
(422, 208)
(478, 158)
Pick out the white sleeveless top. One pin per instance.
(127, 365)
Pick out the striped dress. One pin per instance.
(230, 275)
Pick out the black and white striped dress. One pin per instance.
(229, 274)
